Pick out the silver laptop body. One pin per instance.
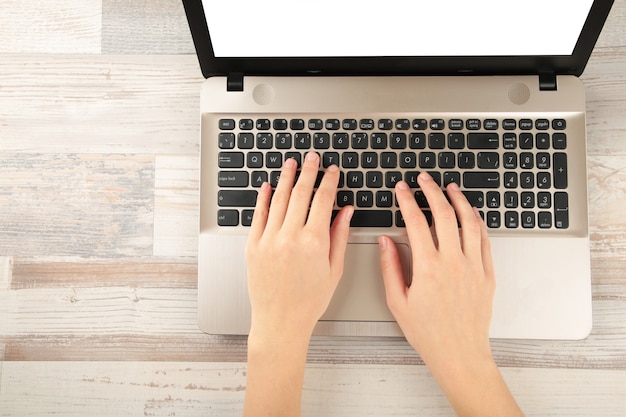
(532, 104)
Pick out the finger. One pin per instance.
(303, 190)
(393, 276)
(470, 226)
(444, 217)
(417, 227)
(339, 233)
(324, 200)
(261, 210)
(485, 249)
(280, 200)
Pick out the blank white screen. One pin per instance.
(296, 28)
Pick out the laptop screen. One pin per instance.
(394, 28)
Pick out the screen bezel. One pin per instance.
(573, 64)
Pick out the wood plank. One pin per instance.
(76, 205)
(605, 86)
(99, 323)
(60, 26)
(607, 199)
(145, 27)
(100, 104)
(94, 273)
(613, 32)
(6, 272)
(176, 205)
(218, 389)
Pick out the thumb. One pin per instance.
(393, 276)
(339, 234)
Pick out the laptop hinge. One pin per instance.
(234, 81)
(547, 81)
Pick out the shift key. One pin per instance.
(236, 198)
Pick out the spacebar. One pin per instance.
(370, 218)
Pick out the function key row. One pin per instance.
(389, 124)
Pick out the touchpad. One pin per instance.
(360, 295)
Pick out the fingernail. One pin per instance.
(453, 186)
(425, 176)
(311, 156)
(290, 163)
(382, 242)
(402, 185)
(332, 168)
(349, 213)
(265, 186)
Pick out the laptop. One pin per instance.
(480, 92)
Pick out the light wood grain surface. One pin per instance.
(99, 131)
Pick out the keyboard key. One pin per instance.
(226, 124)
(374, 179)
(509, 124)
(364, 199)
(561, 210)
(544, 200)
(296, 124)
(542, 141)
(456, 140)
(509, 141)
(403, 124)
(467, 160)
(427, 160)
(349, 124)
(446, 160)
(544, 219)
(525, 124)
(384, 199)
(451, 176)
(558, 124)
(385, 124)
(254, 160)
(410, 177)
(345, 198)
(227, 217)
(302, 140)
(379, 141)
(483, 141)
(316, 124)
(493, 199)
(510, 160)
(263, 124)
(350, 160)
(455, 124)
(236, 198)
(511, 199)
(226, 140)
(370, 218)
(475, 198)
(527, 180)
(366, 124)
(485, 179)
(283, 140)
(543, 160)
(332, 124)
(397, 140)
(230, 160)
(490, 124)
(246, 124)
(408, 160)
(542, 124)
(232, 179)
(510, 180)
(246, 217)
(340, 141)
(528, 219)
(359, 140)
(526, 141)
(511, 219)
(354, 179)
(279, 124)
(264, 140)
(436, 140)
(559, 141)
(559, 170)
(544, 180)
(437, 124)
(420, 124)
(528, 200)
(297, 156)
(330, 158)
(473, 124)
(417, 141)
(321, 140)
(392, 178)
(488, 160)
(273, 160)
(388, 160)
(245, 140)
(493, 219)
(257, 178)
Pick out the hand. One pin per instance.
(446, 312)
(294, 261)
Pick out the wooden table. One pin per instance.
(98, 232)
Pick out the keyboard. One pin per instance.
(513, 170)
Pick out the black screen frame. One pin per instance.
(573, 64)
